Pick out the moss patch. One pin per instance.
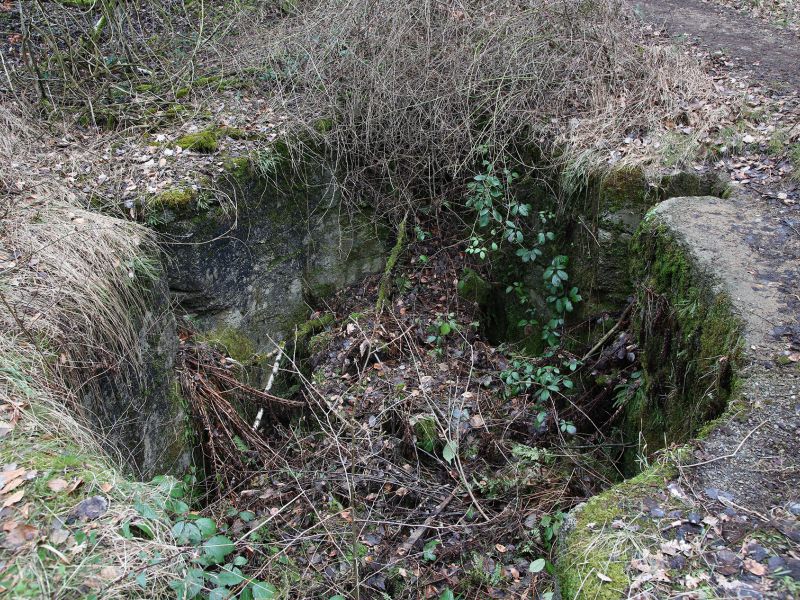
(691, 342)
(177, 199)
(232, 342)
(594, 551)
(473, 288)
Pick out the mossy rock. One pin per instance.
(204, 141)
(474, 288)
(177, 199)
(625, 187)
(232, 342)
(594, 555)
(426, 432)
(690, 336)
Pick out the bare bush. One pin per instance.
(413, 91)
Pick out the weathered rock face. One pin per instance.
(270, 245)
(140, 413)
(603, 227)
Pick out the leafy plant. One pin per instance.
(429, 550)
(216, 569)
(442, 326)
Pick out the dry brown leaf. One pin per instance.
(12, 485)
(106, 487)
(111, 573)
(57, 485)
(74, 484)
(13, 499)
(6, 476)
(756, 568)
(21, 535)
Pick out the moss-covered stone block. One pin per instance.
(690, 336)
(625, 187)
(232, 342)
(204, 141)
(594, 553)
(177, 199)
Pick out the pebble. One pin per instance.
(657, 513)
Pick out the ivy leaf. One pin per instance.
(447, 594)
(428, 550)
(218, 547)
(449, 452)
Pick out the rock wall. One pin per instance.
(139, 413)
(259, 248)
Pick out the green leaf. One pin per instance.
(141, 580)
(218, 547)
(145, 510)
(228, 577)
(219, 593)
(247, 515)
(178, 507)
(337, 597)
(263, 590)
(447, 594)
(537, 566)
(240, 561)
(428, 550)
(206, 526)
(444, 328)
(449, 452)
(186, 532)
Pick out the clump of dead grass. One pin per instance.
(69, 303)
(412, 93)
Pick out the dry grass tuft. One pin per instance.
(69, 300)
(414, 90)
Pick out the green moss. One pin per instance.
(391, 262)
(203, 141)
(177, 199)
(182, 92)
(690, 339)
(238, 166)
(323, 125)
(314, 325)
(426, 432)
(624, 187)
(473, 288)
(232, 342)
(594, 547)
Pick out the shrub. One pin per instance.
(415, 89)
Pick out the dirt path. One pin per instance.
(771, 54)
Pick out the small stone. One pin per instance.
(716, 494)
(694, 518)
(657, 513)
(727, 563)
(775, 563)
(794, 508)
(89, 509)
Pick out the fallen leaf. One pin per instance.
(111, 573)
(604, 577)
(6, 476)
(755, 567)
(12, 485)
(106, 487)
(13, 499)
(21, 535)
(57, 485)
